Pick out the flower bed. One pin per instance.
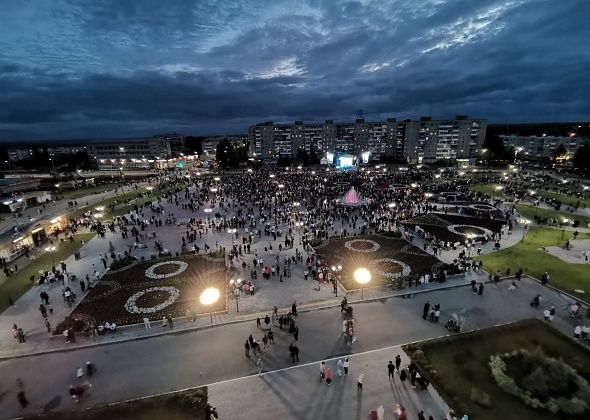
(126, 297)
(541, 381)
(454, 228)
(387, 258)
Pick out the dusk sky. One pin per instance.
(125, 68)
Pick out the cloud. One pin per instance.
(70, 68)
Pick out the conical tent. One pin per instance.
(351, 197)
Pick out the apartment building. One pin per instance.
(425, 140)
(543, 147)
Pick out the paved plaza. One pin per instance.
(202, 352)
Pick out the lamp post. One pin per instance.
(209, 297)
(50, 249)
(336, 270)
(236, 291)
(362, 276)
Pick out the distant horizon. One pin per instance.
(139, 137)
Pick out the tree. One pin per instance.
(560, 152)
(194, 144)
(582, 158)
(230, 155)
(495, 151)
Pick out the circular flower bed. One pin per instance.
(362, 245)
(152, 300)
(541, 381)
(466, 230)
(390, 268)
(155, 271)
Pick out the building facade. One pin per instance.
(420, 141)
(543, 147)
(128, 154)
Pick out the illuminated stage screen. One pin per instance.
(345, 162)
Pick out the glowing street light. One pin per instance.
(51, 250)
(235, 287)
(362, 276)
(209, 297)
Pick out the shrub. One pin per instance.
(543, 382)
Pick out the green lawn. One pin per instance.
(108, 202)
(528, 256)
(568, 200)
(489, 189)
(83, 192)
(529, 212)
(15, 286)
(458, 363)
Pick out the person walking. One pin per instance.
(47, 325)
(170, 322)
(346, 365)
(296, 333)
(259, 367)
(271, 337)
(480, 289)
(390, 369)
(265, 342)
(398, 362)
(359, 382)
(339, 367)
(146, 323)
(322, 371)
(329, 376)
(247, 347)
(294, 308)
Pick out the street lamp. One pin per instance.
(336, 270)
(209, 297)
(236, 291)
(362, 276)
(50, 249)
(516, 152)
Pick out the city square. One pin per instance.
(295, 210)
(302, 246)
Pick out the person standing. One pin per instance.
(322, 371)
(259, 367)
(294, 308)
(480, 289)
(47, 325)
(146, 323)
(247, 347)
(398, 362)
(346, 365)
(390, 369)
(426, 309)
(296, 333)
(421, 415)
(265, 342)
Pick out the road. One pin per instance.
(177, 361)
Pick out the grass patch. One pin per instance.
(532, 212)
(17, 285)
(568, 200)
(459, 364)
(528, 255)
(184, 405)
(488, 189)
(83, 192)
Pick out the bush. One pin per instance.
(123, 262)
(543, 382)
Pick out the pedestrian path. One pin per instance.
(285, 396)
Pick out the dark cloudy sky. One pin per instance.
(78, 68)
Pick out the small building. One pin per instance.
(31, 199)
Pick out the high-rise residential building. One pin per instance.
(425, 140)
(543, 147)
